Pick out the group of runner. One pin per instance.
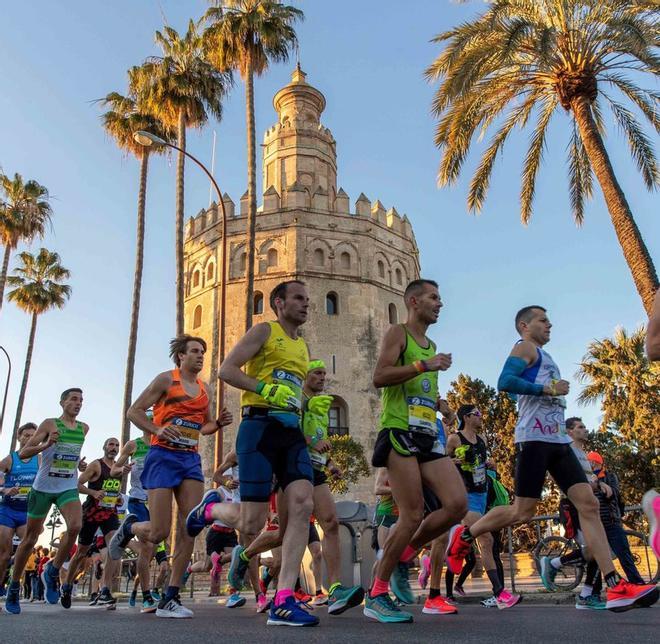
(438, 484)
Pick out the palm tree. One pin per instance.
(180, 88)
(247, 35)
(121, 121)
(25, 212)
(37, 287)
(536, 57)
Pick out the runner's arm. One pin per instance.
(126, 452)
(5, 466)
(137, 412)
(229, 461)
(453, 441)
(387, 372)
(45, 436)
(93, 471)
(510, 380)
(653, 331)
(248, 346)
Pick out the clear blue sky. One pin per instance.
(368, 59)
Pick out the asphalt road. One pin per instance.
(212, 623)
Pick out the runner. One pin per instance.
(543, 447)
(17, 477)
(469, 451)
(172, 466)
(99, 513)
(408, 445)
(270, 441)
(59, 440)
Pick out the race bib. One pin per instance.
(421, 415)
(318, 459)
(23, 492)
(189, 433)
(65, 460)
(479, 474)
(111, 487)
(282, 377)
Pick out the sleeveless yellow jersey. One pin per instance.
(280, 361)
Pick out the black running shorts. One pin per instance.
(89, 528)
(218, 540)
(424, 447)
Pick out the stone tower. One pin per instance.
(356, 263)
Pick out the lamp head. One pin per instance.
(147, 139)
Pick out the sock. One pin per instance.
(105, 590)
(379, 587)
(434, 592)
(244, 557)
(467, 536)
(449, 583)
(612, 579)
(408, 554)
(494, 581)
(574, 557)
(267, 579)
(586, 591)
(282, 595)
(134, 593)
(171, 592)
(556, 563)
(207, 513)
(146, 595)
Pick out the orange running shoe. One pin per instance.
(438, 606)
(301, 596)
(625, 596)
(457, 549)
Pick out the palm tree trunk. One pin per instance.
(26, 375)
(135, 310)
(252, 197)
(180, 166)
(634, 249)
(3, 274)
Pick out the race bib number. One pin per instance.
(318, 459)
(189, 433)
(65, 461)
(282, 377)
(479, 474)
(111, 487)
(23, 492)
(421, 415)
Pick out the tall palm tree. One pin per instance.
(180, 88)
(121, 121)
(247, 35)
(37, 286)
(25, 212)
(536, 57)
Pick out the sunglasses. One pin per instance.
(475, 413)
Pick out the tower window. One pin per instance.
(196, 277)
(258, 303)
(319, 257)
(331, 304)
(393, 314)
(197, 317)
(345, 261)
(242, 262)
(381, 269)
(210, 271)
(272, 257)
(399, 276)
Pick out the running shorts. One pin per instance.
(424, 447)
(319, 477)
(139, 509)
(536, 458)
(11, 518)
(313, 534)
(168, 468)
(431, 501)
(266, 447)
(385, 520)
(88, 531)
(160, 556)
(39, 503)
(477, 502)
(218, 540)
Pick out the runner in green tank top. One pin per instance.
(408, 446)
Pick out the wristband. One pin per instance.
(421, 366)
(260, 387)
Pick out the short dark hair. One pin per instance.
(65, 394)
(279, 292)
(25, 427)
(415, 288)
(526, 314)
(180, 345)
(571, 421)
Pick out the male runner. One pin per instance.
(59, 441)
(270, 440)
(544, 447)
(99, 513)
(469, 451)
(407, 444)
(172, 467)
(17, 477)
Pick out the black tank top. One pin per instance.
(473, 468)
(108, 504)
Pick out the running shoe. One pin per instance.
(173, 608)
(288, 613)
(121, 538)
(593, 602)
(132, 598)
(491, 602)
(155, 593)
(302, 597)
(149, 605)
(237, 568)
(651, 505)
(342, 598)
(438, 606)
(196, 520)
(50, 582)
(263, 603)
(424, 572)
(400, 583)
(65, 596)
(625, 596)
(457, 549)
(235, 601)
(507, 600)
(381, 608)
(186, 575)
(106, 599)
(320, 600)
(12, 601)
(548, 574)
(450, 599)
(93, 599)
(459, 590)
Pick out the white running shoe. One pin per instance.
(491, 602)
(173, 608)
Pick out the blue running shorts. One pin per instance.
(167, 468)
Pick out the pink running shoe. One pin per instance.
(507, 600)
(457, 549)
(262, 603)
(651, 505)
(425, 572)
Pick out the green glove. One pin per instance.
(280, 396)
(319, 405)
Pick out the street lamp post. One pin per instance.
(4, 397)
(148, 139)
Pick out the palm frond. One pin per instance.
(580, 176)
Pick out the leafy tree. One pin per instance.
(349, 455)
(537, 56)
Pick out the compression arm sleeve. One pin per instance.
(510, 379)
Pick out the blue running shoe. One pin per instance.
(235, 601)
(342, 598)
(400, 583)
(237, 568)
(50, 582)
(196, 522)
(12, 603)
(289, 613)
(121, 538)
(132, 599)
(548, 574)
(65, 599)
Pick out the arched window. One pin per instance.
(258, 303)
(196, 278)
(210, 271)
(331, 304)
(197, 317)
(381, 269)
(272, 257)
(393, 314)
(345, 260)
(399, 276)
(242, 262)
(338, 424)
(319, 257)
